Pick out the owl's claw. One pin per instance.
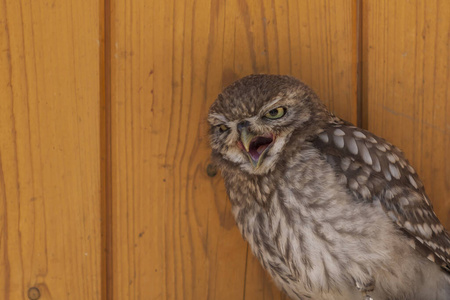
(367, 287)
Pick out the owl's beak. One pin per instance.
(255, 146)
(246, 139)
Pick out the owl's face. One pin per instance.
(253, 120)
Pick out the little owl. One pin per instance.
(330, 210)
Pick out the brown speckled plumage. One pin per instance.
(330, 210)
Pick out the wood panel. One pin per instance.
(406, 86)
(173, 235)
(49, 150)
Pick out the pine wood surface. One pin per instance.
(173, 235)
(103, 185)
(49, 150)
(407, 86)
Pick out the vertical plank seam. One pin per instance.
(360, 99)
(105, 149)
(245, 273)
(109, 218)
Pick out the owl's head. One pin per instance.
(255, 118)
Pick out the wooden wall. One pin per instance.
(103, 137)
(50, 150)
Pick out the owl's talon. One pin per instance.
(366, 287)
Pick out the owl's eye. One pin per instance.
(223, 128)
(275, 113)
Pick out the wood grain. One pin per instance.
(49, 149)
(406, 86)
(173, 235)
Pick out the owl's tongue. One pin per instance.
(258, 145)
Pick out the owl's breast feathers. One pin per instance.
(375, 171)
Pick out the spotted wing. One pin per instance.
(375, 170)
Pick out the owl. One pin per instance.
(330, 210)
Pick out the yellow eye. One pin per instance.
(276, 113)
(223, 128)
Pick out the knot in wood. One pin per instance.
(34, 293)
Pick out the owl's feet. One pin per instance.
(365, 288)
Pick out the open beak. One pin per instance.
(255, 146)
(246, 139)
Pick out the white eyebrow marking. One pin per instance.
(217, 117)
(270, 104)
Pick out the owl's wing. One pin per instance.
(374, 170)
